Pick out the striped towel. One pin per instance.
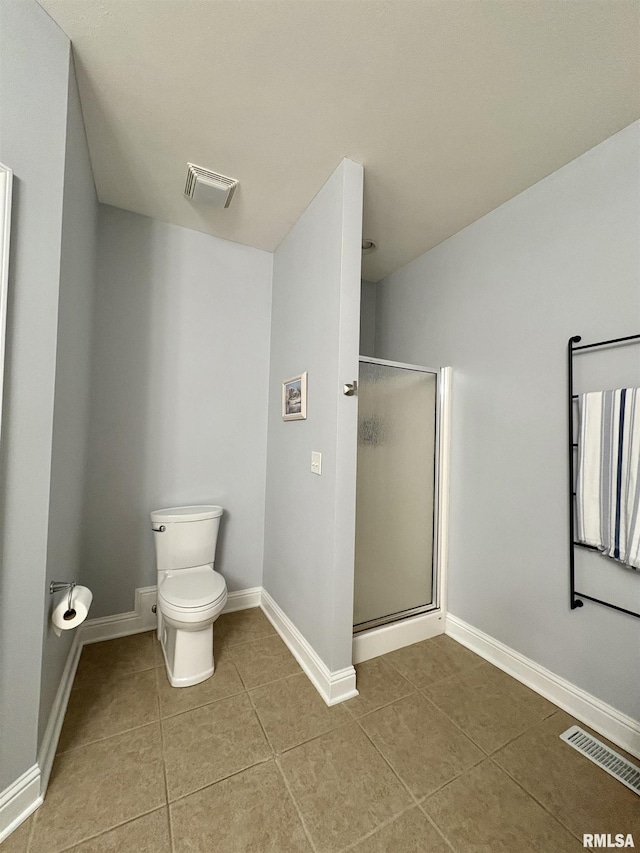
(608, 484)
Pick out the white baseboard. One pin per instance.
(142, 618)
(49, 745)
(387, 638)
(243, 599)
(19, 800)
(334, 687)
(614, 725)
(122, 624)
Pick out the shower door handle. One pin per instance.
(350, 389)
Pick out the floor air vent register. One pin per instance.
(595, 751)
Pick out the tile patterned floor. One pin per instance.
(440, 752)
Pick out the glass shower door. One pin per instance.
(395, 492)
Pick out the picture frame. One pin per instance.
(294, 398)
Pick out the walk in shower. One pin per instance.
(397, 493)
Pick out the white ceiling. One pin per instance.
(453, 106)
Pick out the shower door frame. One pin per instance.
(440, 493)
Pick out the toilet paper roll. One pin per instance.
(63, 619)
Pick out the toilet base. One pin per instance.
(188, 655)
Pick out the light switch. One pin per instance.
(316, 462)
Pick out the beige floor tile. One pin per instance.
(243, 626)
(581, 795)
(101, 661)
(251, 812)
(532, 701)
(482, 708)
(378, 684)
(262, 661)
(19, 838)
(292, 712)
(97, 787)
(484, 810)
(342, 786)
(409, 833)
(100, 710)
(425, 663)
(422, 745)
(224, 682)
(209, 743)
(147, 834)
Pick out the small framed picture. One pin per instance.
(294, 398)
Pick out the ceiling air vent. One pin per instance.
(206, 187)
(617, 766)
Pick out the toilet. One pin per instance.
(191, 595)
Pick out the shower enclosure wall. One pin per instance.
(399, 505)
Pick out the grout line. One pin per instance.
(535, 799)
(416, 800)
(264, 731)
(276, 680)
(376, 829)
(451, 781)
(203, 705)
(499, 694)
(389, 765)
(222, 779)
(233, 643)
(232, 660)
(523, 703)
(385, 658)
(107, 737)
(164, 766)
(102, 832)
(267, 683)
(385, 705)
(170, 828)
(96, 672)
(295, 805)
(316, 737)
(484, 752)
(434, 824)
(413, 683)
(419, 800)
(458, 672)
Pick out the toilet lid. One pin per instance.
(193, 587)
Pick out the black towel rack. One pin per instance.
(575, 596)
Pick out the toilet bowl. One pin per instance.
(191, 594)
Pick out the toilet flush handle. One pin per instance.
(160, 529)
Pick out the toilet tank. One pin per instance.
(185, 536)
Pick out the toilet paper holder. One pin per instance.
(57, 586)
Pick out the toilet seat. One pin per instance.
(193, 590)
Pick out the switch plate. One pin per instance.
(316, 462)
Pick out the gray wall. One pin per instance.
(498, 302)
(309, 540)
(367, 318)
(34, 70)
(179, 402)
(72, 389)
